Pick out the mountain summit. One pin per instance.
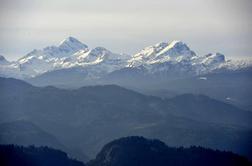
(162, 52)
(71, 44)
(170, 59)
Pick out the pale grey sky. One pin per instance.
(127, 26)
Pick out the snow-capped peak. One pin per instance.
(217, 56)
(176, 48)
(178, 45)
(96, 55)
(99, 51)
(41, 60)
(69, 39)
(211, 59)
(66, 48)
(71, 44)
(3, 61)
(173, 56)
(162, 52)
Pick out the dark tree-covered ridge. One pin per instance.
(138, 151)
(127, 151)
(12, 155)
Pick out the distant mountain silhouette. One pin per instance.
(11, 155)
(26, 133)
(99, 114)
(138, 151)
(232, 87)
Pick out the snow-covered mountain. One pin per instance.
(175, 51)
(175, 57)
(167, 59)
(8, 69)
(3, 61)
(69, 53)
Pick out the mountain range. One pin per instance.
(168, 60)
(99, 114)
(60, 95)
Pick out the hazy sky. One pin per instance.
(127, 26)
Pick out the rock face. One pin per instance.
(170, 59)
(138, 151)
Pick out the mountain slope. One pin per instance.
(26, 133)
(3, 61)
(109, 112)
(203, 108)
(232, 87)
(136, 151)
